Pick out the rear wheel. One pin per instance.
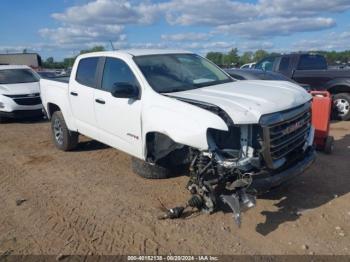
(342, 105)
(63, 138)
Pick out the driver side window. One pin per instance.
(115, 72)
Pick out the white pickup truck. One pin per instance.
(172, 108)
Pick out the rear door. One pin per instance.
(81, 94)
(118, 119)
(312, 70)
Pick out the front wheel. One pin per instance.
(63, 138)
(149, 171)
(342, 105)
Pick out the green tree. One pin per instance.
(97, 48)
(246, 57)
(260, 54)
(50, 60)
(216, 57)
(68, 62)
(232, 58)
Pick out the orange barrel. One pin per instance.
(321, 114)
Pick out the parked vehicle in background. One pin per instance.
(47, 74)
(173, 108)
(312, 69)
(32, 60)
(19, 92)
(248, 66)
(256, 74)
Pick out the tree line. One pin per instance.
(233, 59)
(229, 59)
(68, 62)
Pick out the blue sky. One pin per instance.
(60, 28)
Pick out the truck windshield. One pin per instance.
(17, 76)
(179, 72)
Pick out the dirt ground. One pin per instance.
(89, 202)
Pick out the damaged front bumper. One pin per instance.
(264, 181)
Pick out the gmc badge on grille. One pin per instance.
(293, 127)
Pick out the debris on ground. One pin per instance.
(61, 257)
(305, 247)
(5, 254)
(20, 201)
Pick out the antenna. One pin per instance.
(111, 45)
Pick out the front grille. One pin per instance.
(286, 135)
(26, 100)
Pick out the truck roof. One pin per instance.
(141, 52)
(4, 67)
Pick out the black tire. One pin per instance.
(149, 171)
(329, 145)
(63, 138)
(342, 106)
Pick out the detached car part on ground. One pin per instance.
(176, 109)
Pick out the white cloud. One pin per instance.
(301, 8)
(108, 11)
(208, 12)
(276, 26)
(81, 34)
(99, 21)
(331, 41)
(184, 37)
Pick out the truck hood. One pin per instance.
(20, 89)
(246, 101)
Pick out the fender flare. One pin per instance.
(339, 85)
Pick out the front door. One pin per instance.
(118, 119)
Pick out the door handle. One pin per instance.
(100, 101)
(74, 93)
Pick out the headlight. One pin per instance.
(2, 105)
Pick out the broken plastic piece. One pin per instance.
(233, 202)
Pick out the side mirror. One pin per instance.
(125, 90)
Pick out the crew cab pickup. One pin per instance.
(169, 109)
(312, 69)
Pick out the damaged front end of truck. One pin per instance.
(247, 159)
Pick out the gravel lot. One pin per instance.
(89, 202)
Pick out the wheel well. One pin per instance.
(339, 89)
(52, 108)
(160, 147)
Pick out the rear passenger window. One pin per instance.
(117, 71)
(312, 62)
(284, 64)
(86, 73)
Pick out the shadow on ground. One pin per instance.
(326, 179)
(27, 120)
(91, 145)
